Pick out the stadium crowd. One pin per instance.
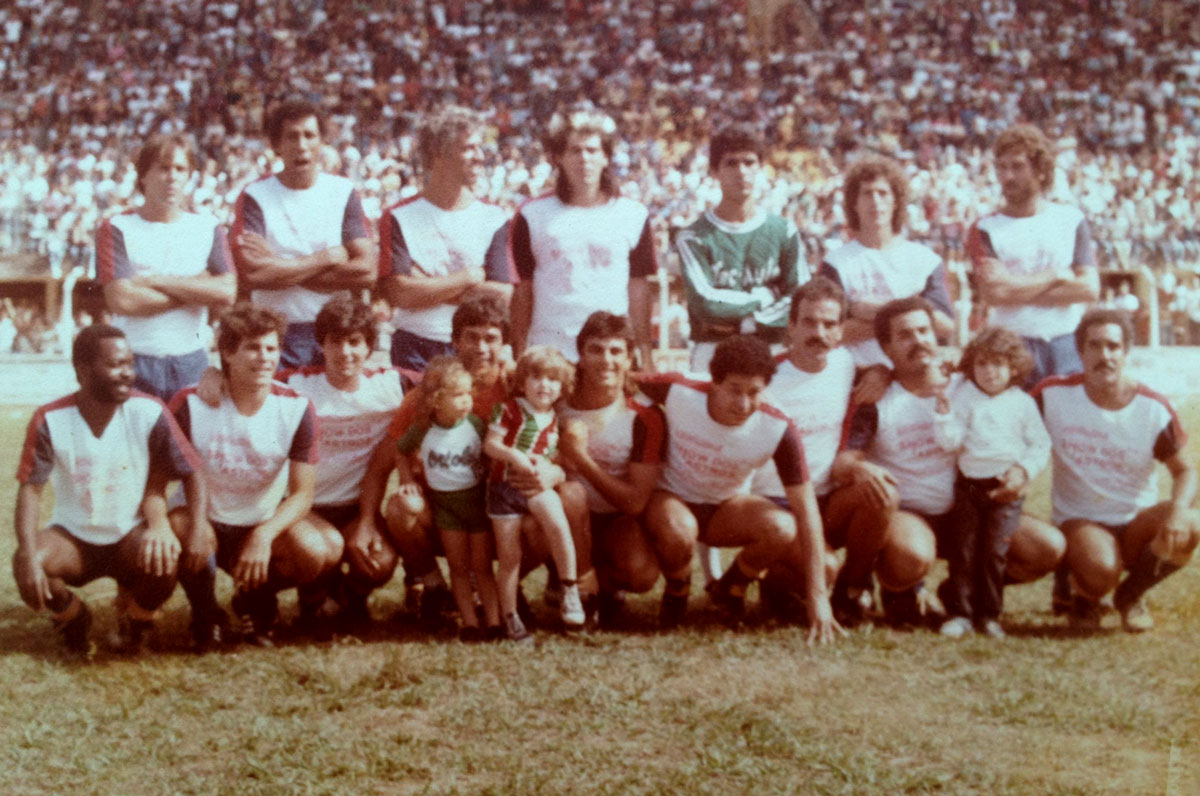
(1116, 83)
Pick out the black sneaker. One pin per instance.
(472, 635)
(130, 636)
(256, 612)
(913, 607)
(1060, 594)
(732, 606)
(1085, 614)
(779, 603)
(672, 610)
(433, 601)
(209, 632)
(610, 608)
(354, 616)
(74, 632)
(316, 621)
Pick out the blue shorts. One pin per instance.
(230, 539)
(505, 500)
(1057, 356)
(299, 347)
(414, 352)
(162, 377)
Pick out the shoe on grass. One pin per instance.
(956, 627)
(1085, 614)
(74, 631)
(1136, 618)
(573, 615)
(992, 629)
(515, 630)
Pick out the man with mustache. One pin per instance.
(1108, 432)
(812, 386)
(902, 482)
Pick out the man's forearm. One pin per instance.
(27, 516)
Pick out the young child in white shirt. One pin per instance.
(997, 431)
(448, 442)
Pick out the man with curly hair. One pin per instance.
(1033, 258)
(444, 244)
(879, 264)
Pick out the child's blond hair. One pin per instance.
(442, 374)
(544, 360)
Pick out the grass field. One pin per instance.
(704, 711)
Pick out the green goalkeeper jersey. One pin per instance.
(739, 277)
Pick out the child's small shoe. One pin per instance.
(514, 630)
(573, 615)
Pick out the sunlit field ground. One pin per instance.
(701, 711)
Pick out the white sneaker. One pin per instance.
(956, 627)
(573, 616)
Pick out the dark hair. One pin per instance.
(482, 310)
(291, 111)
(1100, 316)
(819, 288)
(155, 149)
(604, 325)
(744, 355)
(734, 138)
(86, 347)
(867, 169)
(1033, 143)
(996, 343)
(246, 321)
(583, 118)
(342, 317)
(883, 317)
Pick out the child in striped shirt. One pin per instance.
(522, 430)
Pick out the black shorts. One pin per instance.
(230, 539)
(104, 561)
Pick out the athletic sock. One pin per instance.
(678, 587)
(200, 588)
(738, 577)
(1147, 570)
(64, 606)
(433, 579)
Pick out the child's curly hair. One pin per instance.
(996, 343)
(544, 360)
(442, 374)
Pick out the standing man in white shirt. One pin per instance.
(163, 268)
(1034, 258)
(1108, 433)
(300, 236)
(878, 264)
(444, 244)
(583, 248)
